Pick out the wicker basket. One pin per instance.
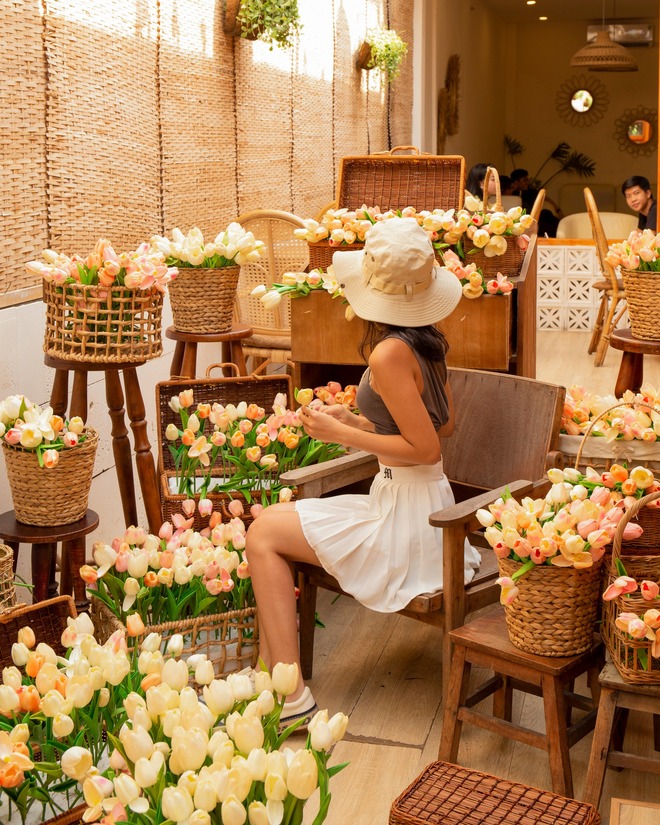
(556, 610)
(72, 817)
(510, 263)
(203, 299)
(47, 619)
(229, 640)
(95, 323)
(46, 497)
(446, 794)
(7, 589)
(631, 657)
(643, 297)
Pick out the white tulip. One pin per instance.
(233, 812)
(147, 771)
(219, 697)
(75, 762)
(248, 734)
(302, 777)
(285, 678)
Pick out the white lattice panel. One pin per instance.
(580, 318)
(580, 261)
(550, 290)
(550, 259)
(550, 318)
(580, 291)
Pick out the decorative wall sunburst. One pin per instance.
(622, 124)
(568, 90)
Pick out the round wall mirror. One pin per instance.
(639, 131)
(582, 101)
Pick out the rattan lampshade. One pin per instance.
(603, 55)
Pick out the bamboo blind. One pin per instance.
(123, 118)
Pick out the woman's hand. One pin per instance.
(324, 425)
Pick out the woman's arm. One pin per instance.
(397, 378)
(341, 413)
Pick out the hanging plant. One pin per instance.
(276, 22)
(382, 49)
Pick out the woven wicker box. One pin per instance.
(447, 794)
(393, 181)
(47, 620)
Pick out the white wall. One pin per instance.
(22, 370)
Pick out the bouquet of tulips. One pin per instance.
(640, 251)
(298, 285)
(143, 268)
(234, 246)
(628, 418)
(473, 280)
(570, 526)
(178, 574)
(171, 756)
(329, 395)
(241, 444)
(27, 425)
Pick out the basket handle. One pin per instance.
(406, 149)
(233, 367)
(631, 512)
(491, 172)
(604, 412)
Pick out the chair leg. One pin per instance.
(604, 341)
(554, 706)
(595, 335)
(307, 618)
(593, 784)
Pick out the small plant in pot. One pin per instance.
(383, 49)
(276, 22)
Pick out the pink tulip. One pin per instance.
(181, 523)
(600, 495)
(256, 510)
(599, 538)
(586, 527)
(216, 518)
(521, 548)
(166, 531)
(188, 507)
(88, 574)
(537, 556)
(652, 618)
(243, 570)
(214, 587)
(205, 507)
(509, 589)
(632, 531)
(13, 436)
(121, 562)
(211, 570)
(649, 590)
(637, 628)
(238, 540)
(235, 507)
(206, 532)
(619, 587)
(227, 582)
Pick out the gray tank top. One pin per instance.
(434, 396)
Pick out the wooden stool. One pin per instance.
(44, 541)
(121, 447)
(485, 643)
(631, 371)
(184, 361)
(446, 793)
(617, 698)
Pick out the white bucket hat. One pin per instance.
(396, 280)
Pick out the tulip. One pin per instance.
(285, 678)
(302, 776)
(147, 771)
(11, 676)
(175, 674)
(248, 734)
(26, 636)
(233, 812)
(219, 697)
(258, 814)
(205, 796)
(137, 743)
(76, 425)
(134, 625)
(20, 654)
(9, 699)
(171, 432)
(151, 642)
(175, 645)
(509, 590)
(96, 789)
(62, 725)
(76, 762)
(199, 817)
(338, 724)
(649, 590)
(204, 673)
(129, 794)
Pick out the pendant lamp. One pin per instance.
(604, 55)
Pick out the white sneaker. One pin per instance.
(304, 707)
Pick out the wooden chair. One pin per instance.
(610, 287)
(538, 205)
(506, 430)
(271, 328)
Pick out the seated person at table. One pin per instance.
(380, 547)
(638, 195)
(548, 219)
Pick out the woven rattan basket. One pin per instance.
(47, 619)
(447, 794)
(49, 497)
(72, 817)
(203, 299)
(643, 298)
(95, 323)
(632, 657)
(556, 610)
(510, 263)
(229, 640)
(7, 589)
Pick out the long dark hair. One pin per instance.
(475, 177)
(428, 341)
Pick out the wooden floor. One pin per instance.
(385, 672)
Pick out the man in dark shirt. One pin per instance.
(637, 192)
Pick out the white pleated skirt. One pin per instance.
(380, 547)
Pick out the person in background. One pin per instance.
(379, 546)
(506, 185)
(474, 186)
(638, 195)
(549, 218)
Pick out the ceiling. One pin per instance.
(518, 11)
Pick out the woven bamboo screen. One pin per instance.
(122, 118)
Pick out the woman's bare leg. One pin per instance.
(274, 540)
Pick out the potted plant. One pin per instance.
(276, 22)
(382, 49)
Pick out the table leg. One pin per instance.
(554, 706)
(14, 547)
(459, 679)
(143, 456)
(600, 745)
(631, 373)
(237, 357)
(79, 395)
(177, 360)
(189, 367)
(73, 558)
(59, 396)
(121, 446)
(43, 563)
